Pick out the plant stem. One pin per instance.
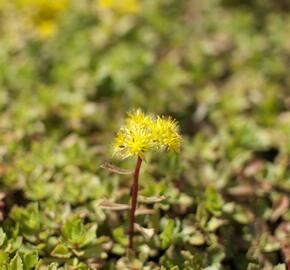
(134, 195)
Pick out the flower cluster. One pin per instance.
(142, 133)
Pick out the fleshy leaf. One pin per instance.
(105, 204)
(16, 263)
(147, 233)
(61, 251)
(114, 169)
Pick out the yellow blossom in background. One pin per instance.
(46, 29)
(50, 5)
(121, 6)
(142, 133)
(40, 15)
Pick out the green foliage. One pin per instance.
(76, 234)
(167, 235)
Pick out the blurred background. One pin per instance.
(69, 72)
(77, 64)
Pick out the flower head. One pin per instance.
(142, 133)
(131, 141)
(165, 134)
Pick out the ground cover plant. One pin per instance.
(69, 73)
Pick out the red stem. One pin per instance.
(134, 194)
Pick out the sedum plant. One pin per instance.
(140, 134)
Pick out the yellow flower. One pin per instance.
(41, 15)
(138, 117)
(132, 141)
(121, 6)
(46, 29)
(142, 133)
(45, 6)
(164, 134)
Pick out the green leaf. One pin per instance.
(213, 201)
(73, 231)
(3, 257)
(28, 218)
(16, 263)
(90, 235)
(78, 253)
(120, 236)
(32, 217)
(30, 260)
(76, 234)
(2, 236)
(53, 266)
(61, 251)
(167, 235)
